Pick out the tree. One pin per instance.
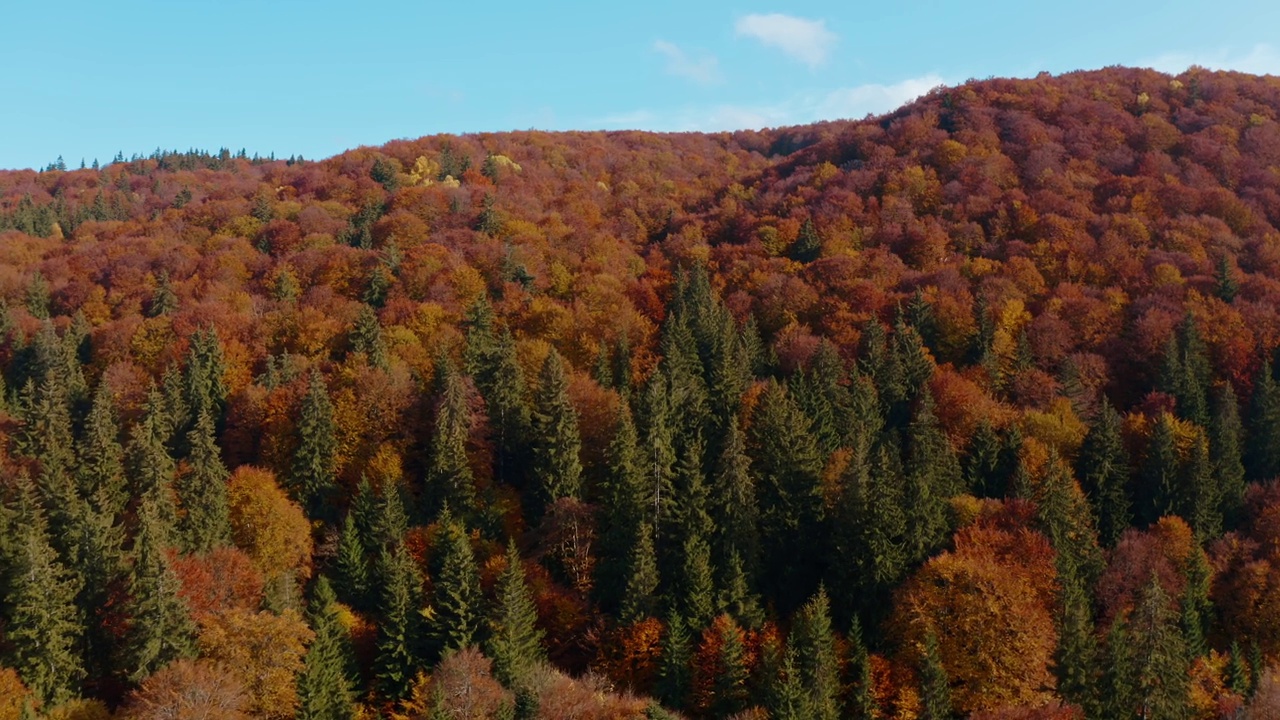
(268, 526)
(932, 477)
(1077, 658)
(674, 676)
(787, 466)
(456, 622)
(351, 568)
(982, 462)
(1225, 452)
(206, 385)
(869, 535)
(449, 480)
(160, 629)
(151, 467)
(492, 362)
(398, 658)
(1161, 481)
(366, 338)
(733, 509)
(693, 590)
(203, 492)
(1065, 517)
(514, 640)
(642, 578)
(862, 700)
(312, 476)
(817, 662)
(163, 301)
(807, 246)
(1103, 468)
(324, 690)
(1200, 499)
(1262, 454)
(621, 511)
(266, 650)
(44, 626)
(100, 459)
(555, 442)
(189, 689)
(935, 688)
(1158, 654)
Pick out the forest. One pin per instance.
(967, 410)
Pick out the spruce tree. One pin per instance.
(674, 670)
(932, 476)
(206, 387)
(1227, 286)
(818, 664)
(498, 376)
(1103, 468)
(1225, 452)
(514, 640)
(163, 300)
(788, 466)
(658, 453)
(449, 479)
(637, 602)
(1077, 658)
(935, 687)
(313, 474)
(621, 511)
(870, 555)
(151, 468)
(821, 394)
(100, 461)
(45, 627)
(351, 567)
(398, 659)
(556, 444)
(325, 691)
(785, 697)
(1159, 655)
(456, 602)
(807, 246)
(161, 630)
(1262, 454)
(366, 338)
(1200, 501)
(1161, 481)
(694, 590)
(203, 492)
(862, 701)
(982, 462)
(729, 686)
(1066, 519)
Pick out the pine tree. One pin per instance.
(674, 671)
(397, 660)
(787, 466)
(366, 338)
(1262, 454)
(658, 458)
(932, 477)
(324, 690)
(1103, 468)
(1197, 374)
(862, 701)
(822, 396)
(982, 462)
(161, 630)
(869, 556)
(694, 589)
(807, 246)
(935, 687)
(729, 687)
(557, 469)
(151, 468)
(622, 511)
(642, 579)
(100, 462)
(352, 573)
(163, 301)
(206, 386)
(1200, 501)
(1227, 285)
(456, 603)
(45, 436)
(449, 479)
(1161, 479)
(203, 491)
(1064, 516)
(1238, 679)
(1225, 452)
(514, 640)
(786, 698)
(1159, 654)
(1077, 658)
(45, 627)
(819, 666)
(1195, 605)
(1120, 692)
(491, 360)
(313, 474)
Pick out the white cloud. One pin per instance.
(704, 70)
(1262, 59)
(808, 41)
(851, 102)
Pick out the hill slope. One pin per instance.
(973, 366)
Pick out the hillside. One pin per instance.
(969, 409)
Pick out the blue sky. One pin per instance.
(85, 78)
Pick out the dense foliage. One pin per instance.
(972, 409)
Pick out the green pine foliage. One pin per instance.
(1226, 452)
(1262, 453)
(1103, 469)
(935, 687)
(457, 609)
(817, 663)
(450, 482)
(202, 491)
(514, 640)
(161, 630)
(555, 442)
(325, 692)
(398, 655)
(312, 475)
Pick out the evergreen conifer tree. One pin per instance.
(1161, 479)
(932, 477)
(1103, 468)
(1200, 502)
(1262, 454)
(982, 462)
(818, 664)
(1077, 658)
(1226, 453)
(514, 640)
(557, 469)
(399, 628)
(366, 337)
(45, 628)
(637, 601)
(622, 511)
(449, 479)
(100, 462)
(862, 701)
(674, 671)
(161, 630)
(352, 573)
(324, 690)
(312, 476)
(729, 687)
(1159, 655)
(935, 686)
(733, 510)
(456, 603)
(203, 491)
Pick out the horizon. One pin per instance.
(318, 83)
